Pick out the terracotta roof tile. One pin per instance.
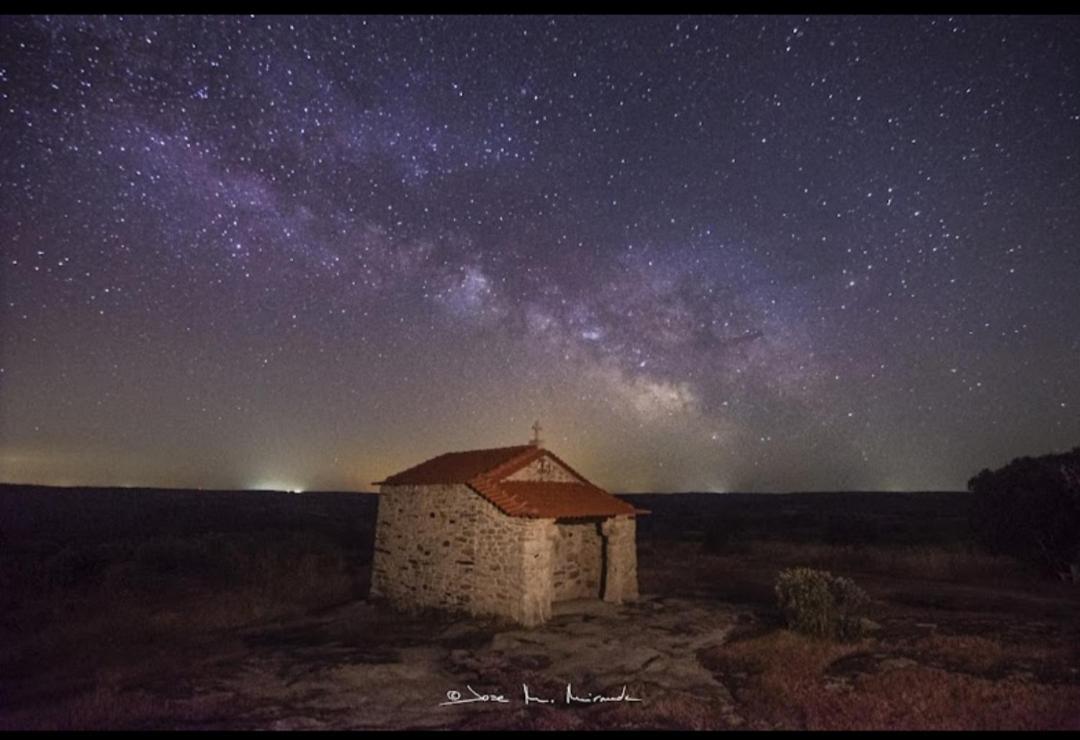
(564, 500)
(459, 467)
(485, 471)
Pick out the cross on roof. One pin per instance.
(535, 441)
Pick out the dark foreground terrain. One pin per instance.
(170, 609)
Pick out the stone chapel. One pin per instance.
(501, 532)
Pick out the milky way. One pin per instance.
(707, 253)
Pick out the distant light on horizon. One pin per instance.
(276, 485)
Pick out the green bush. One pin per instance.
(817, 603)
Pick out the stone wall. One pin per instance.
(447, 547)
(578, 561)
(620, 583)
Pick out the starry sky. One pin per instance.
(708, 253)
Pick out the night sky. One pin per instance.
(715, 254)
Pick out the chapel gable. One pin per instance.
(546, 469)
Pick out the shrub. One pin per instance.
(1030, 509)
(817, 603)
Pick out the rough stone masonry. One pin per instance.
(504, 532)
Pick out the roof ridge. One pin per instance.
(456, 458)
(516, 463)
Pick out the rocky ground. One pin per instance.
(362, 667)
(196, 628)
(694, 663)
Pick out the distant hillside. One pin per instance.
(879, 517)
(73, 514)
(66, 514)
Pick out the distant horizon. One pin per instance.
(298, 485)
(376, 492)
(283, 484)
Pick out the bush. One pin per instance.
(817, 603)
(1030, 509)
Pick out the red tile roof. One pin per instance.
(559, 500)
(460, 467)
(485, 470)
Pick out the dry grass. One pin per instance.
(109, 705)
(922, 698)
(782, 681)
(679, 712)
(967, 652)
(107, 603)
(930, 562)
(777, 676)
